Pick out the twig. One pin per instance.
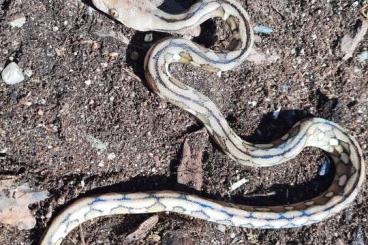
(81, 233)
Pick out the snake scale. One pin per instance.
(342, 148)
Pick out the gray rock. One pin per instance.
(12, 74)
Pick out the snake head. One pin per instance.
(132, 13)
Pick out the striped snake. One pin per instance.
(342, 148)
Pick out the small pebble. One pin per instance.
(148, 38)
(262, 29)
(154, 238)
(285, 88)
(221, 228)
(90, 11)
(49, 213)
(18, 22)
(12, 74)
(113, 55)
(61, 200)
(28, 72)
(111, 156)
(357, 70)
(96, 45)
(252, 103)
(363, 56)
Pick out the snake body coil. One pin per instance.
(315, 132)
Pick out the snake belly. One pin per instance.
(342, 148)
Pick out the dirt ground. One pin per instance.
(84, 121)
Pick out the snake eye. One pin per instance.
(113, 13)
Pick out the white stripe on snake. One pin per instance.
(314, 132)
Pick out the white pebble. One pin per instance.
(363, 56)
(28, 72)
(111, 156)
(12, 74)
(90, 11)
(18, 22)
(61, 200)
(252, 103)
(221, 228)
(148, 38)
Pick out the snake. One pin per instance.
(342, 149)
